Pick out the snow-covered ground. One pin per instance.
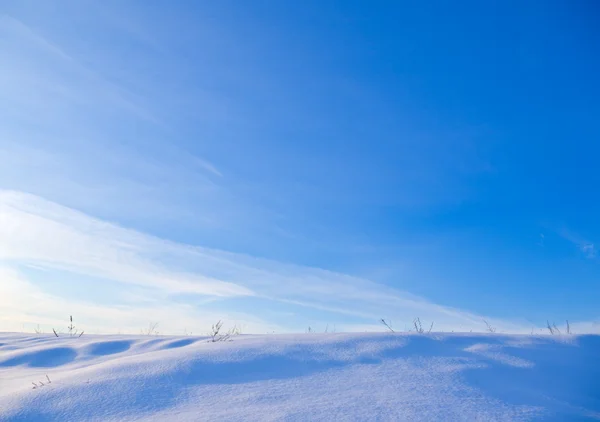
(321, 377)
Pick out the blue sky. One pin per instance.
(286, 164)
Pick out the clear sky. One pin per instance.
(285, 164)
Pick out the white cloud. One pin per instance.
(589, 250)
(23, 306)
(74, 129)
(37, 232)
(33, 230)
(585, 246)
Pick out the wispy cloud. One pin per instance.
(587, 248)
(94, 141)
(24, 306)
(61, 66)
(37, 232)
(542, 240)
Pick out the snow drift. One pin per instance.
(316, 377)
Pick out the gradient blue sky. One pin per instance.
(286, 164)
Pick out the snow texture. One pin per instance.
(308, 377)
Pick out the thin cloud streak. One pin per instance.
(38, 232)
(588, 248)
(24, 306)
(59, 238)
(102, 88)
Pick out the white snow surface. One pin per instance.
(304, 377)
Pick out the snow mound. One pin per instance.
(316, 377)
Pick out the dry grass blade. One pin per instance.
(389, 327)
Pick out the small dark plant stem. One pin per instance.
(384, 322)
